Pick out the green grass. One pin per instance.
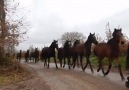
(2, 79)
(94, 62)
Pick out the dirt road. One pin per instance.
(64, 79)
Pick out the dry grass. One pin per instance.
(12, 72)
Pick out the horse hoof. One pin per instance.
(98, 70)
(122, 78)
(83, 70)
(92, 72)
(127, 84)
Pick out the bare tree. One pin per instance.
(99, 38)
(108, 32)
(72, 36)
(10, 26)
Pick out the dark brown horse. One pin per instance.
(111, 51)
(36, 55)
(73, 53)
(48, 52)
(85, 50)
(67, 46)
(62, 54)
(19, 55)
(27, 56)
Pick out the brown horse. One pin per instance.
(85, 50)
(27, 56)
(110, 50)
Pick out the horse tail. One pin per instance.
(95, 53)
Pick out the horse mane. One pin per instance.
(113, 43)
(76, 42)
(66, 44)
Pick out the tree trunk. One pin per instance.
(3, 29)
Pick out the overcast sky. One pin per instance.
(51, 18)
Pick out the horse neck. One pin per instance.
(88, 43)
(113, 42)
(20, 52)
(52, 48)
(114, 45)
(75, 44)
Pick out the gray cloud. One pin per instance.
(49, 26)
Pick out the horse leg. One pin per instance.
(77, 62)
(74, 62)
(119, 68)
(69, 62)
(109, 66)
(20, 59)
(60, 59)
(48, 62)
(45, 62)
(101, 66)
(35, 59)
(64, 62)
(55, 62)
(81, 62)
(88, 61)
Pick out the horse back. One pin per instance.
(80, 48)
(60, 53)
(102, 49)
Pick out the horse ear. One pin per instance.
(120, 29)
(90, 33)
(114, 29)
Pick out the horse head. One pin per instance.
(54, 44)
(92, 39)
(117, 34)
(67, 44)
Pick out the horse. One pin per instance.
(27, 56)
(73, 52)
(85, 50)
(19, 55)
(48, 52)
(67, 46)
(111, 51)
(60, 55)
(34, 55)
(63, 53)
